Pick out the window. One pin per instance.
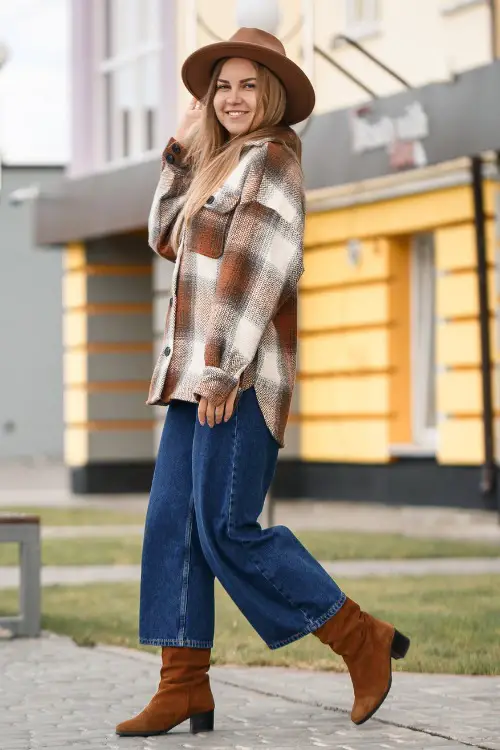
(129, 78)
(363, 17)
(423, 345)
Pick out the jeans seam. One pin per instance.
(313, 625)
(233, 474)
(186, 642)
(186, 570)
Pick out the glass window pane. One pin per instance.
(126, 104)
(108, 29)
(124, 24)
(149, 20)
(149, 86)
(108, 116)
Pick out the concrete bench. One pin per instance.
(25, 530)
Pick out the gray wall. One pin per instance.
(31, 383)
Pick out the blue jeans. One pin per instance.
(208, 491)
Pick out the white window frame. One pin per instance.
(423, 333)
(369, 25)
(102, 67)
(450, 7)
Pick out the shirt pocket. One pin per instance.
(210, 226)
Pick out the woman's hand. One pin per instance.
(214, 415)
(190, 121)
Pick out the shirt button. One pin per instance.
(167, 351)
(170, 158)
(210, 199)
(176, 148)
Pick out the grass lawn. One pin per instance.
(324, 545)
(454, 623)
(79, 516)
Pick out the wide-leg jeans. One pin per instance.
(208, 492)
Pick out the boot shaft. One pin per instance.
(183, 665)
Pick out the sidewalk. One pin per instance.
(58, 696)
(79, 575)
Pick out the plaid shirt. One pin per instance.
(233, 313)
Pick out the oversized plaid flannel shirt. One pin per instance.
(233, 313)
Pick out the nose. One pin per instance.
(234, 96)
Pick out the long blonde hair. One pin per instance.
(212, 155)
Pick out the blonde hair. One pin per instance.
(212, 155)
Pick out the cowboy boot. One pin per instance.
(366, 645)
(183, 693)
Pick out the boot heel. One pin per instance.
(400, 645)
(202, 722)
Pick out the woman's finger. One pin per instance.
(219, 413)
(210, 414)
(202, 411)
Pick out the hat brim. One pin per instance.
(197, 73)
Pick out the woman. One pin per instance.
(229, 212)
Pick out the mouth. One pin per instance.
(236, 114)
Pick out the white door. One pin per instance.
(423, 344)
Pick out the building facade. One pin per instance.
(389, 399)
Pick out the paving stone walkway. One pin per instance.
(84, 574)
(58, 696)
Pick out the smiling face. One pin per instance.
(236, 97)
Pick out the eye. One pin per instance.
(249, 85)
(221, 86)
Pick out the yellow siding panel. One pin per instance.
(74, 289)
(344, 307)
(414, 213)
(330, 265)
(75, 406)
(458, 343)
(353, 350)
(75, 367)
(456, 246)
(461, 441)
(353, 441)
(74, 256)
(457, 294)
(76, 446)
(74, 328)
(350, 395)
(490, 196)
(459, 392)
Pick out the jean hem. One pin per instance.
(185, 642)
(312, 626)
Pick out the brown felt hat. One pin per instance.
(260, 47)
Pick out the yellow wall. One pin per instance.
(355, 369)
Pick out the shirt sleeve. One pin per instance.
(168, 199)
(260, 267)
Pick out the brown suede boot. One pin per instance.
(183, 693)
(366, 645)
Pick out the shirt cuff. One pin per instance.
(174, 154)
(215, 385)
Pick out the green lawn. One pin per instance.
(324, 545)
(454, 622)
(79, 516)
